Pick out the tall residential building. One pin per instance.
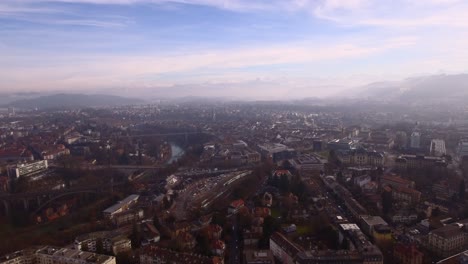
(401, 139)
(415, 140)
(438, 147)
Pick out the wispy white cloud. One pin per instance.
(234, 5)
(394, 13)
(398, 13)
(405, 35)
(8, 8)
(93, 71)
(54, 15)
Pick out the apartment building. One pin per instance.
(55, 255)
(25, 169)
(404, 162)
(361, 157)
(450, 239)
(283, 249)
(121, 206)
(111, 242)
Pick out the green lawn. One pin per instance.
(324, 154)
(304, 229)
(275, 213)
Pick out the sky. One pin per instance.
(239, 48)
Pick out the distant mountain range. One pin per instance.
(450, 90)
(72, 101)
(427, 89)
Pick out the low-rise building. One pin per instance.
(157, 255)
(251, 238)
(445, 190)
(55, 255)
(128, 216)
(283, 249)
(404, 194)
(111, 242)
(329, 257)
(258, 257)
(19, 257)
(121, 206)
(395, 182)
(379, 140)
(307, 163)
(405, 162)
(361, 157)
(341, 144)
(369, 223)
(450, 239)
(276, 151)
(53, 152)
(407, 254)
(404, 216)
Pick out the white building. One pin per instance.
(121, 206)
(438, 147)
(112, 242)
(24, 169)
(55, 255)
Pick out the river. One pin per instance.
(176, 153)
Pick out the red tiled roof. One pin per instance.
(218, 244)
(237, 203)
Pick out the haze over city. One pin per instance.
(244, 49)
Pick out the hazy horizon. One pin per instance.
(235, 48)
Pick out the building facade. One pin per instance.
(56, 255)
(449, 240)
(25, 169)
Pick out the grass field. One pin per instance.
(275, 213)
(304, 229)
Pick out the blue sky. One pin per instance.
(258, 48)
